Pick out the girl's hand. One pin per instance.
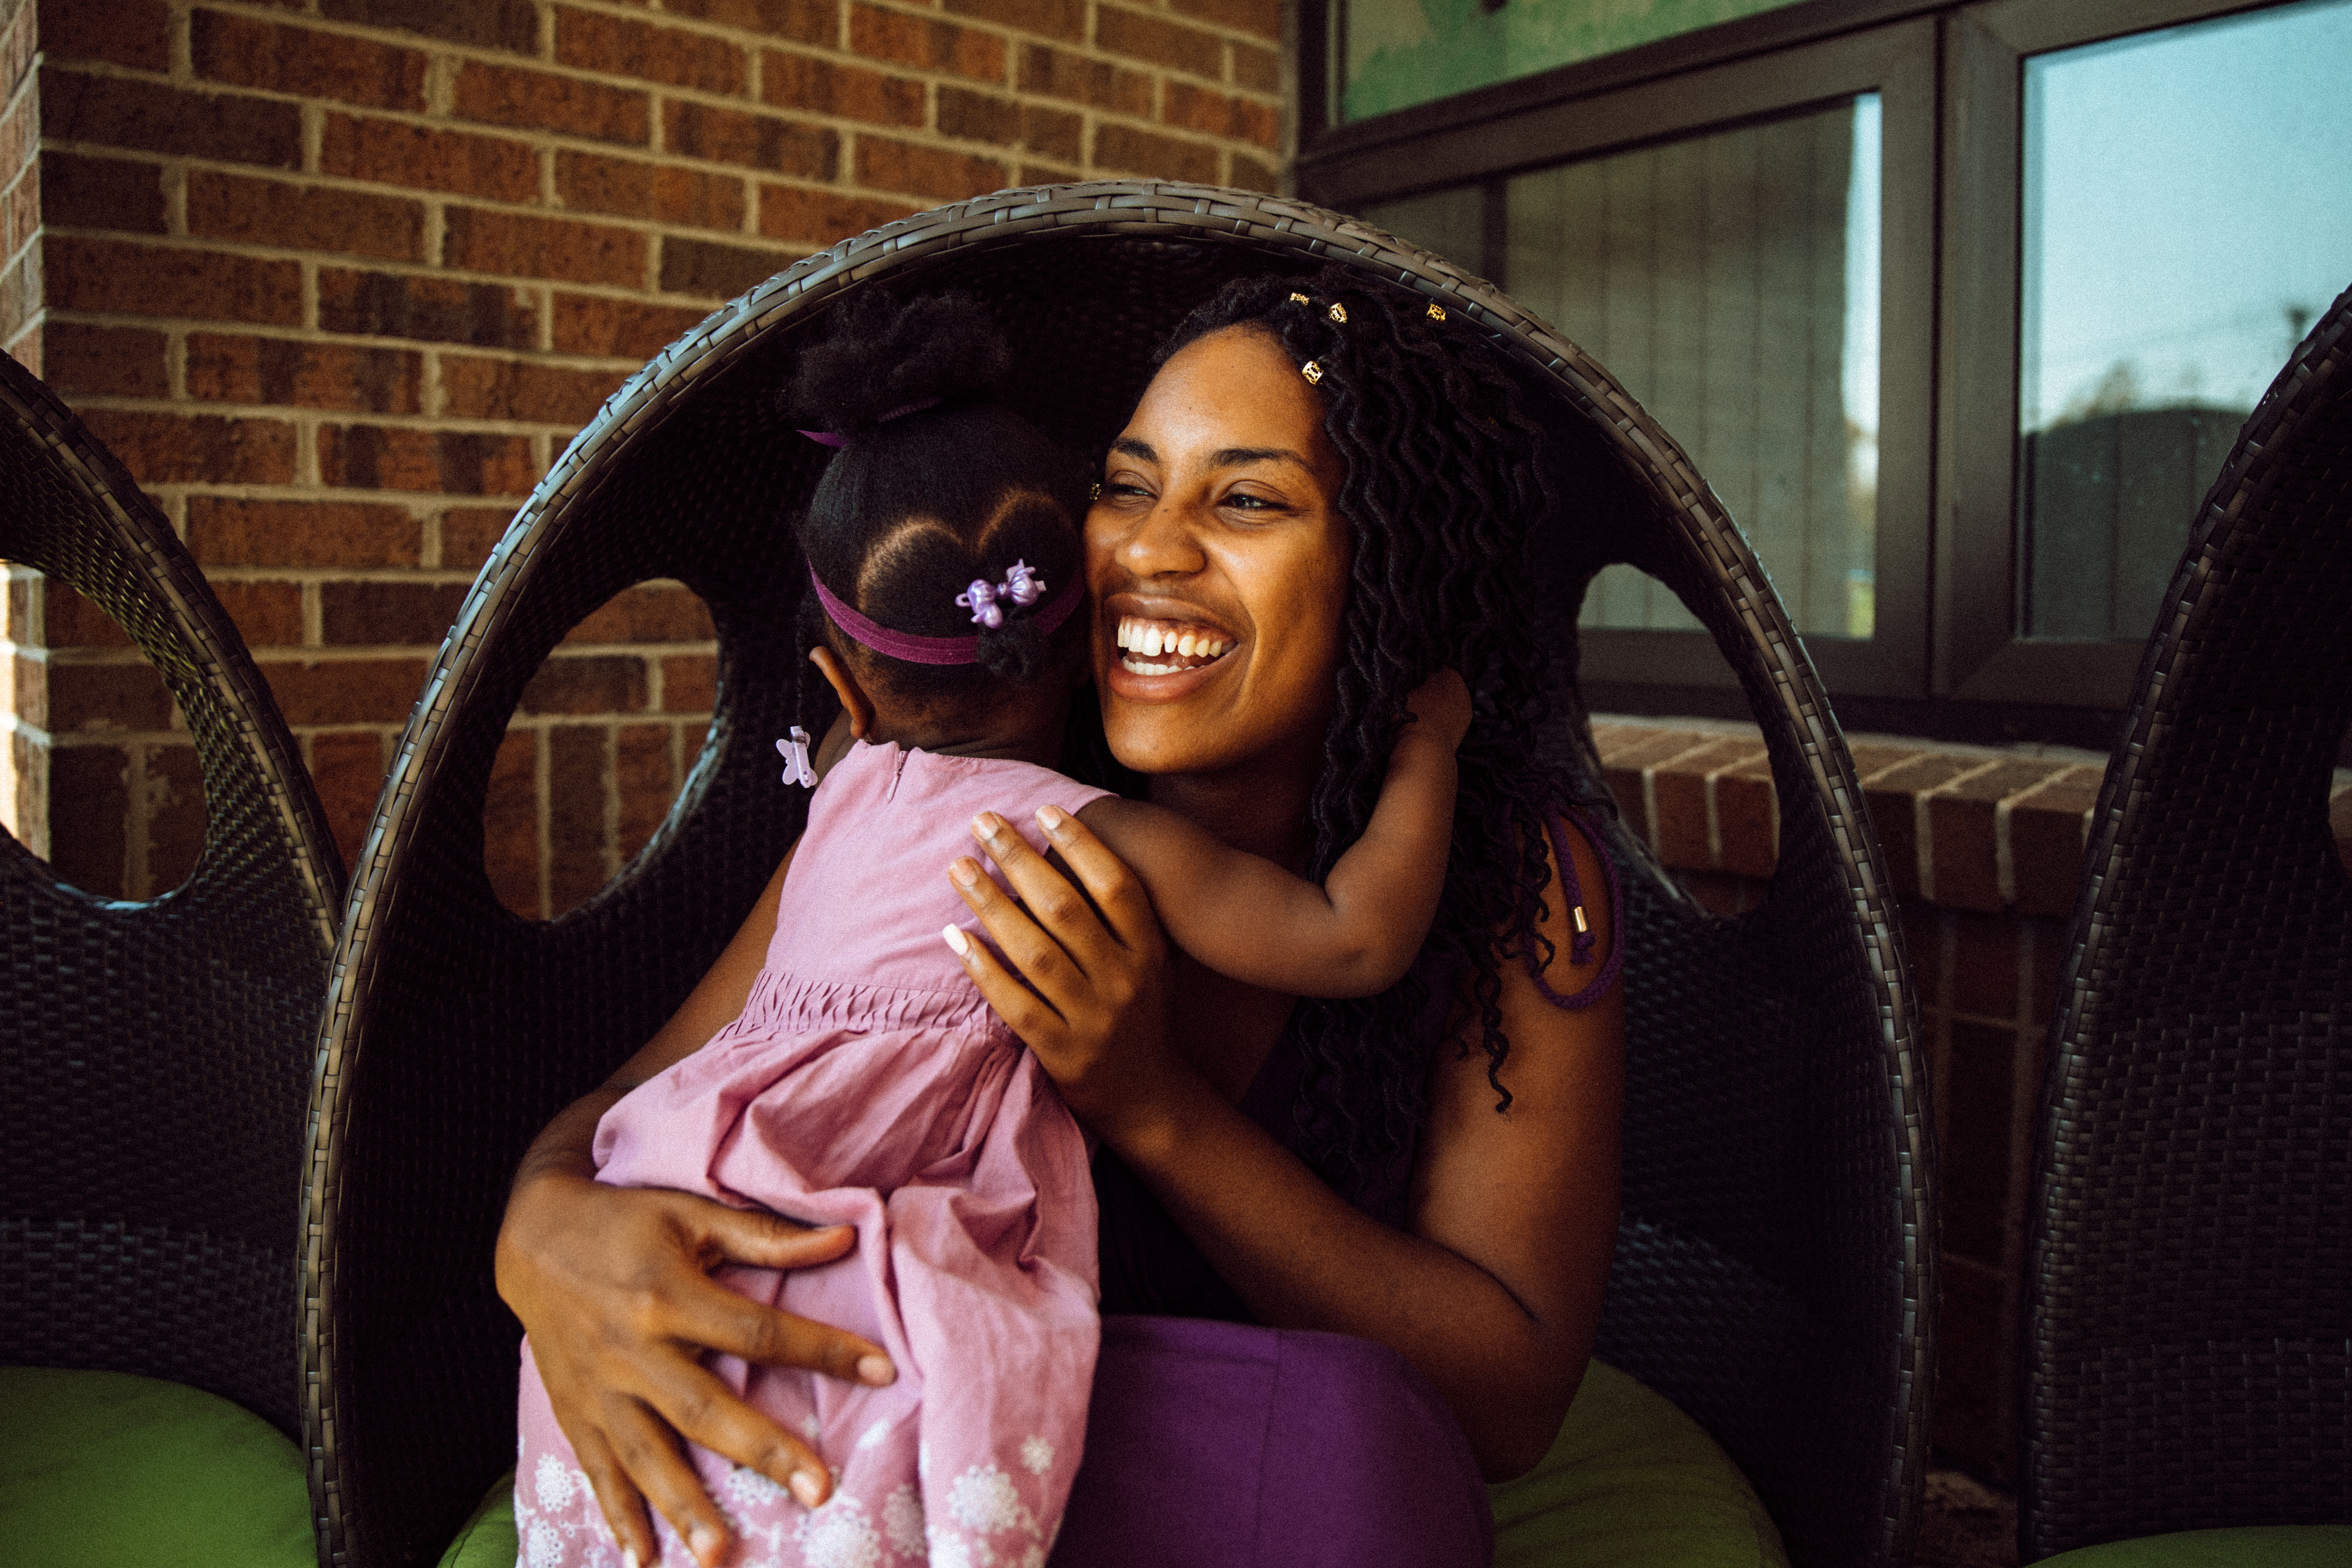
(1441, 706)
(1093, 984)
(613, 1286)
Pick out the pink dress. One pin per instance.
(866, 1083)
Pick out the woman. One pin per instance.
(1346, 488)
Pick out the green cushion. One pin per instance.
(103, 1470)
(2275, 1546)
(1631, 1482)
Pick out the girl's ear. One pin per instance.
(855, 703)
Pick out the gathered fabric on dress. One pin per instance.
(866, 1083)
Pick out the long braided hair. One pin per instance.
(1443, 494)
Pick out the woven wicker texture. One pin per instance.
(1776, 1271)
(2189, 1337)
(154, 1058)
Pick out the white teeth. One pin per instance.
(1186, 644)
(1140, 639)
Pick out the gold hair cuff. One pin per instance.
(1298, 300)
(1437, 311)
(1312, 372)
(1095, 493)
(1339, 312)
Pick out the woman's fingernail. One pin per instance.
(1051, 818)
(704, 1543)
(629, 1558)
(953, 936)
(807, 1487)
(988, 824)
(877, 1370)
(964, 872)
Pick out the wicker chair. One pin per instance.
(154, 1065)
(1775, 1274)
(2189, 1336)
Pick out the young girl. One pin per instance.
(865, 1082)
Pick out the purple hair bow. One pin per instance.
(986, 600)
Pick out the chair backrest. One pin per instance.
(1776, 1269)
(2187, 1346)
(155, 1058)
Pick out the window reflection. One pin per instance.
(2185, 220)
(1731, 282)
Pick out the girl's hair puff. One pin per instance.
(935, 484)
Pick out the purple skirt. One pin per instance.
(1213, 1445)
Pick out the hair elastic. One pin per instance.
(836, 438)
(917, 649)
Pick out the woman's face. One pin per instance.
(1219, 566)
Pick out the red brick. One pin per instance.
(379, 613)
(436, 310)
(646, 613)
(118, 112)
(304, 217)
(134, 33)
(1985, 965)
(624, 329)
(101, 193)
(689, 683)
(1262, 17)
(1058, 74)
(245, 51)
(1221, 114)
(344, 690)
(759, 141)
(488, 23)
(1972, 1375)
(482, 388)
(577, 855)
(1260, 69)
(715, 271)
(1679, 788)
(1891, 799)
(303, 374)
(1622, 767)
(1166, 45)
(1960, 823)
(620, 46)
(103, 361)
(1979, 1089)
(468, 534)
(1055, 18)
(268, 615)
(28, 691)
(174, 801)
(348, 769)
(226, 531)
(890, 165)
(106, 696)
(983, 117)
(1152, 155)
(821, 218)
(525, 246)
(20, 210)
(803, 21)
(511, 823)
(926, 45)
(392, 151)
(662, 192)
(644, 780)
(1747, 820)
(2045, 842)
(204, 449)
(827, 86)
(398, 457)
(587, 683)
(507, 95)
(70, 620)
(166, 280)
(89, 814)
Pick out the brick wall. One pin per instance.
(1986, 851)
(338, 279)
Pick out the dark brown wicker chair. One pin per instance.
(2189, 1336)
(155, 1058)
(1775, 1274)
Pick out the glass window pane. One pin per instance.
(1393, 54)
(2186, 218)
(1450, 223)
(1732, 282)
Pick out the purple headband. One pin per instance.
(835, 439)
(956, 651)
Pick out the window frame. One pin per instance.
(1947, 657)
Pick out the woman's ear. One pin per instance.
(855, 703)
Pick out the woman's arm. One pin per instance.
(1494, 1293)
(1252, 921)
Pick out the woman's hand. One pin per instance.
(1093, 983)
(614, 1285)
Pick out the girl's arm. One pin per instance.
(1356, 935)
(1494, 1292)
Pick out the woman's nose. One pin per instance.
(1161, 545)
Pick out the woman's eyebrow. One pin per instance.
(1233, 456)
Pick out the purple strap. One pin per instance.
(939, 650)
(1579, 946)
